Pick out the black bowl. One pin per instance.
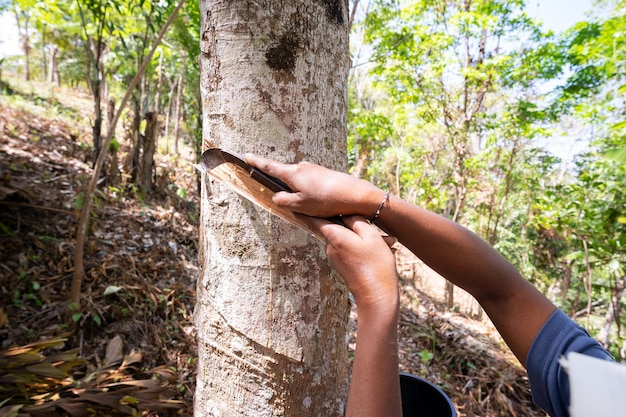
(423, 398)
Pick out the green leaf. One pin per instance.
(6, 230)
(114, 146)
(619, 125)
(80, 200)
(426, 355)
(181, 192)
(618, 155)
(128, 399)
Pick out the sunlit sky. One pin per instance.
(557, 15)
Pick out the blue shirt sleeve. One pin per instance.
(549, 382)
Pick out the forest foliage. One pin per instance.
(452, 111)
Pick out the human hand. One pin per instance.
(363, 258)
(319, 191)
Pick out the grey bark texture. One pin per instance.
(148, 147)
(271, 315)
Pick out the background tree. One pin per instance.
(593, 207)
(83, 221)
(271, 316)
(94, 16)
(448, 69)
(22, 9)
(410, 131)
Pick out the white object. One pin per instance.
(597, 386)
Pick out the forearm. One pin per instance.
(375, 383)
(516, 307)
(453, 251)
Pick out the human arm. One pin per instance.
(363, 259)
(516, 308)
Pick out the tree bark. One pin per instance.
(96, 127)
(157, 98)
(136, 139)
(613, 312)
(179, 99)
(112, 172)
(95, 79)
(24, 39)
(43, 53)
(53, 67)
(168, 113)
(147, 152)
(271, 315)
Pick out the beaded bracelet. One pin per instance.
(380, 207)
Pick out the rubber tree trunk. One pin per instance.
(24, 39)
(136, 139)
(113, 173)
(613, 313)
(96, 127)
(157, 99)
(53, 67)
(168, 113)
(146, 162)
(179, 101)
(95, 83)
(271, 315)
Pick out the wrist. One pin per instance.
(380, 308)
(380, 321)
(370, 201)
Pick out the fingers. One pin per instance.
(331, 232)
(364, 228)
(366, 231)
(269, 166)
(356, 225)
(359, 225)
(287, 200)
(280, 171)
